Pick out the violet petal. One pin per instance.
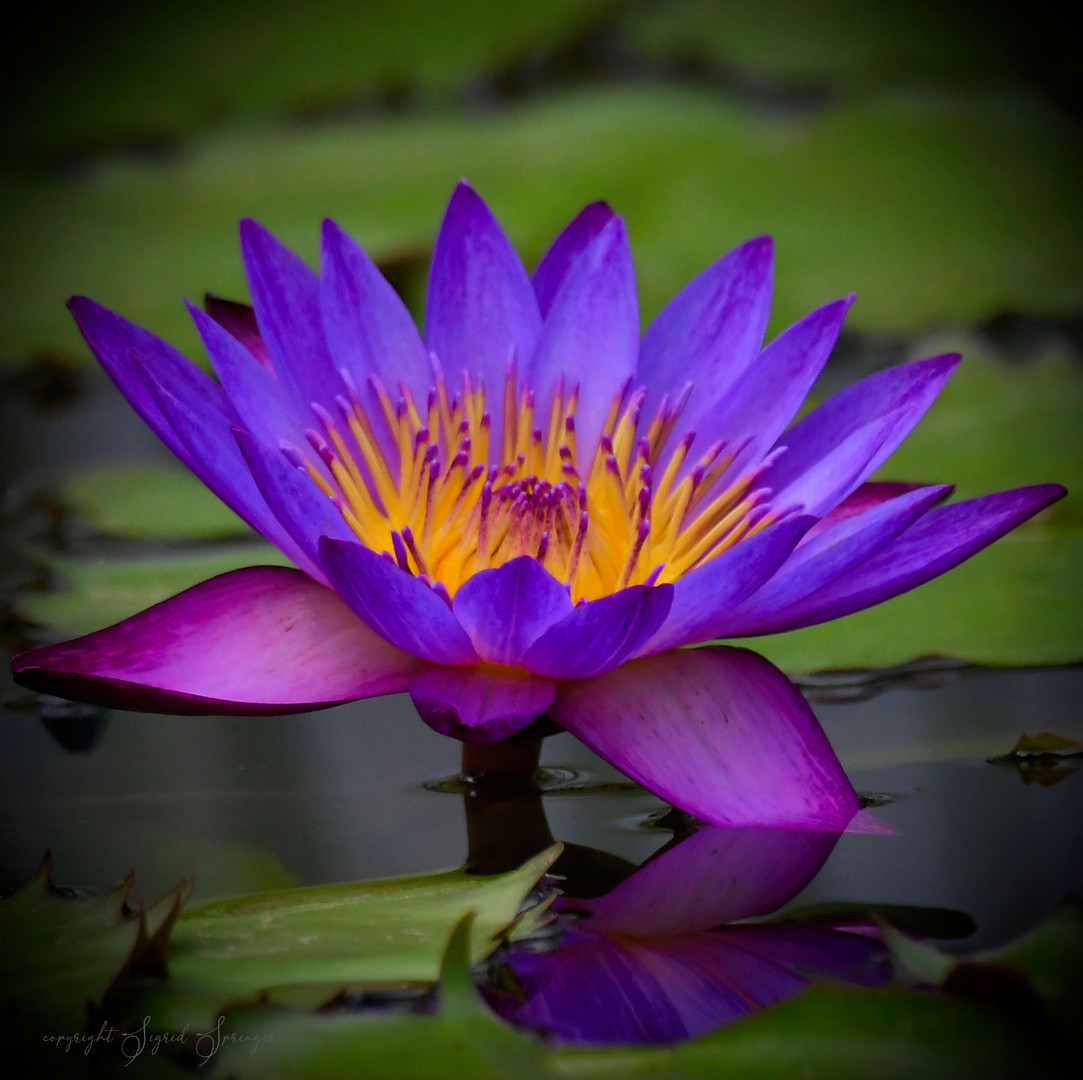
(239, 320)
(369, 331)
(286, 297)
(600, 634)
(591, 335)
(477, 705)
(941, 539)
(397, 605)
(830, 555)
(481, 310)
(506, 609)
(703, 598)
(575, 238)
(834, 449)
(710, 332)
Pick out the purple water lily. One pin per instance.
(516, 514)
(652, 961)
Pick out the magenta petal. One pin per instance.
(239, 320)
(577, 236)
(260, 641)
(718, 732)
(711, 331)
(481, 308)
(599, 634)
(505, 610)
(703, 599)
(479, 706)
(941, 539)
(841, 443)
(830, 555)
(712, 877)
(286, 297)
(397, 605)
(591, 335)
(369, 331)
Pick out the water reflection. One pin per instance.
(656, 953)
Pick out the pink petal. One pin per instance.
(712, 877)
(718, 732)
(260, 641)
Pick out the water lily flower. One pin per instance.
(653, 960)
(518, 512)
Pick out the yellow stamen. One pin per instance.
(427, 493)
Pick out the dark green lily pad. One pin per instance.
(830, 44)
(149, 503)
(1046, 964)
(462, 1039)
(100, 592)
(136, 73)
(61, 956)
(936, 207)
(307, 944)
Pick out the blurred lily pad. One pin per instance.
(100, 592)
(832, 44)
(127, 72)
(309, 943)
(147, 503)
(938, 207)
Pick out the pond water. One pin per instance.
(346, 794)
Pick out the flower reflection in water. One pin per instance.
(654, 961)
(660, 953)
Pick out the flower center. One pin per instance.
(419, 487)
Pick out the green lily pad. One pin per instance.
(826, 1032)
(148, 503)
(307, 944)
(914, 199)
(152, 72)
(463, 1038)
(61, 956)
(100, 592)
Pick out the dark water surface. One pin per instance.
(247, 804)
